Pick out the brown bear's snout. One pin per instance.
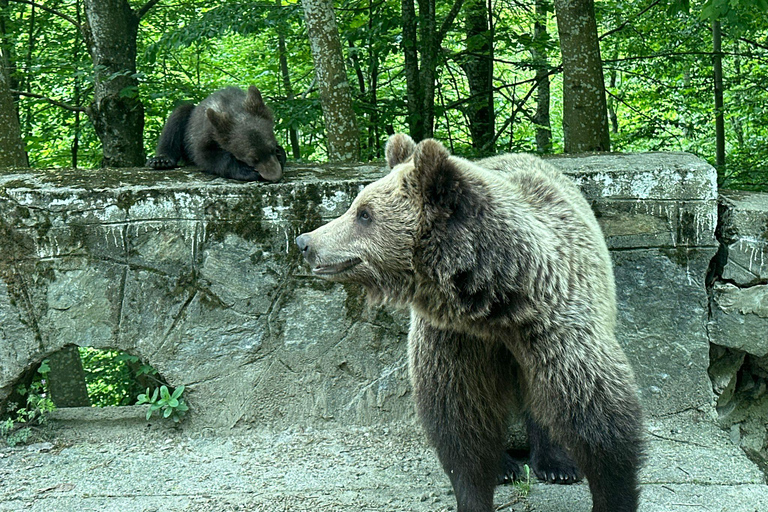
(303, 241)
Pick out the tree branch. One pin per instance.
(147, 6)
(628, 21)
(52, 11)
(61, 104)
(448, 21)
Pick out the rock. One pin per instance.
(200, 278)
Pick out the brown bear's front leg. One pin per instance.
(578, 402)
(463, 395)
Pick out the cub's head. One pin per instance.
(249, 136)
(378, 241)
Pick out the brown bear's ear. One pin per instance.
(222, 123)
(437, 177)
(399, 149)
(254, 104)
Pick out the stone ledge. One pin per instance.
(199, 277)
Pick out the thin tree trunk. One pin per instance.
(335, 97)
(541, 63)
(421, 54)
(117, 114)
(12, 152)
(283, 58)
(77, 90)
(27, 129)
(717, 64)
(7, 58)
(585, 119)
(66, 380)
(737, 94)
(478, 68)
(373, 80)
(429, 46)
(412, 78)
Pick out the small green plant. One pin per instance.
(169, 405)
(17, 427)
(523, 485)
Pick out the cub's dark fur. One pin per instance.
(230, 134)
(512, 299)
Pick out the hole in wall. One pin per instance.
(740, 383)
(75, 377)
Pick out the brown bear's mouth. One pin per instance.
(336, 268)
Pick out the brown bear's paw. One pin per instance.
(161, 162)
(554, 466)
(511, 470)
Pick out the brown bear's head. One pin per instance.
(378, 241)
(250, 136)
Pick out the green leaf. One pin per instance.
(167, 412)
(45, 367)
(177, 393)
(164, 393)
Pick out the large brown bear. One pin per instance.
(512, 301)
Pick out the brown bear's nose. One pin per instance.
(303, 242)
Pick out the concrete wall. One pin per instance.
(200, 278)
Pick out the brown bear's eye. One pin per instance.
(364, 217)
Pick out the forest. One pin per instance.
(90, 83)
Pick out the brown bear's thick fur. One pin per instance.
(512, 301)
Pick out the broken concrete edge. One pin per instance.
(112, 413)
(737, 327)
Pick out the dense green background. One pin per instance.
(657, 61)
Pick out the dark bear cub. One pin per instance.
(230, 134)
(513, 309)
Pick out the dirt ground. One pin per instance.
(136, 467)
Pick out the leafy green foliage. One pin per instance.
(168, 405)
(113, 377)
(523, 486)
(657, 63)
(17, 427)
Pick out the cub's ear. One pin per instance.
(437, 177)
(399, 149)
(222, 123)
(254, 104)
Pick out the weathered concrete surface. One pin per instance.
(200, 278)
(738, 324)
(740, 295)
(691, 466)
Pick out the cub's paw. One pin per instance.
(160, 162)
(511, 470)
(555, 467)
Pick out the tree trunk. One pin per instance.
(478, 67)
(283, 58)
(7, 58)
(585, 118)
(429, 46)
(66, 380)
(12, 152)
(335, 96)
(412, 78)
(421, 58)
(737, 95)
(540, 62)
(717, 65)
(116, 112)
